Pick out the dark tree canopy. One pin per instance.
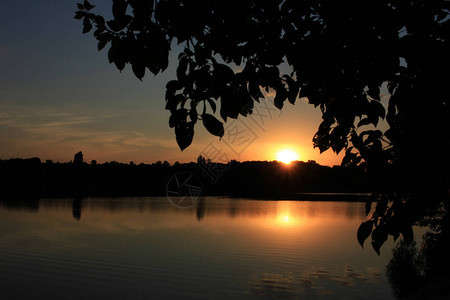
(340, 53)
(78, 158)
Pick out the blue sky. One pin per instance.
(59, 95)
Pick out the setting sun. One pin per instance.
(287, 156)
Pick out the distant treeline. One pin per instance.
(33, 178)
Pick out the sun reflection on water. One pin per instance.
(285, 219)
(285, 216)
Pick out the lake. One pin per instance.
(146, 248)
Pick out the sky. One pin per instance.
(59, 95)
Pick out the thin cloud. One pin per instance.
(42, 120)
(28, 131)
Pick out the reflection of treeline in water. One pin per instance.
(31, 177)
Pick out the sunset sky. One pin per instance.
(59, 95)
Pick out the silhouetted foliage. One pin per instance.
(423, 270)
(404, 270)
(78, 158)
(340, 54)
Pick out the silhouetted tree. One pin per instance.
(340, 54)
(78, 158)
(93, 162)
(201, 160)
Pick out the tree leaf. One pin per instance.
(120, 62)
(87, 5)
(174, 85)
(119, 24)
(365, 121)
(193, 115)
(100, 20)
(87, 26)
(182, 67)
(184, 135)
(280, 97)
(79, 15)
(214, 126)
(173, 101)
(136, 58)
(178, 117)
(212, 103)
(350, 159)
(119, 8)
(364, 231)
(379, 236)
(357, 141)
(101, 44)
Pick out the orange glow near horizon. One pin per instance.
(287, 156)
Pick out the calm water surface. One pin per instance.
(144, 248)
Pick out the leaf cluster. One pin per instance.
(389, 217)
(340, 54)
(132, 34)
